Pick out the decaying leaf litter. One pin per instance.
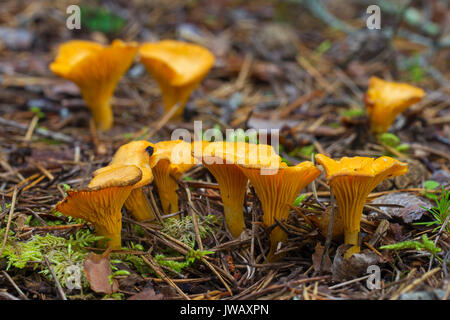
(278, 65)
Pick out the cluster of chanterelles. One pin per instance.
(233, 164)
(178, 68)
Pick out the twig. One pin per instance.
(441, 230)
(31, 128)
(53, 228)
(8, 296)
(348, 282)
(20, 292)
(161, 122)
(191, 210)
(330, 232)
(61, 293)
(415, 283)
(8, 225)
(40, 131)
(154, 265)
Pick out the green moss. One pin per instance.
(61, 252)
(183, 229)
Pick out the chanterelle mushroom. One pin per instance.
(96, 70)
(102, 201)
(178, 67)
(222, 159)
(277, 190)
(135, 153)
(351, 180)
(169, 161)
(385, 100)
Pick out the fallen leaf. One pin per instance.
(317, 258)
(412, 206)
(147, 294)
(98, 271)
(353, 267)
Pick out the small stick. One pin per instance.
(35, 182)
(330, 231)
(31, 127)
(161, 122)
(61, 293)
(348, 282)
(40, 131)
(37, 216)
(194, 219)
(15, 286)
(8, 296)
(154, 265)
(444, 225)
(155, 208)
(53, 228)
(8, 225)
(416, 282)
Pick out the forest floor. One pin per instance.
(279, 65)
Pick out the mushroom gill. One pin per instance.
(169, 161)
(222, 159)
(101, 202)
(277, 188)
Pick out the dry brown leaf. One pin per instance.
(147, 294)
(98, 271)
(317, 258)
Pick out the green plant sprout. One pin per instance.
(178, 266)
(353, 113)
(428, 186)
(101, 19)
(299, 200)
(426, 245)
(37, 111)
(393, 141)
(439, 212)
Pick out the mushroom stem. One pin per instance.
(234, 216)
(102, 114)
(112, 240)
(173, 95)
(277, 235)
(139, 206)
(167, 187)
(351, 237)
(232, 185)
(351, 194)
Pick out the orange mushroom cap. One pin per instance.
(169, 161)
(178, 67)
(102, 201)
(277, 191)
(352, 179)
(222, 159)
(385, 100)
(96, 70)
(135, 153)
